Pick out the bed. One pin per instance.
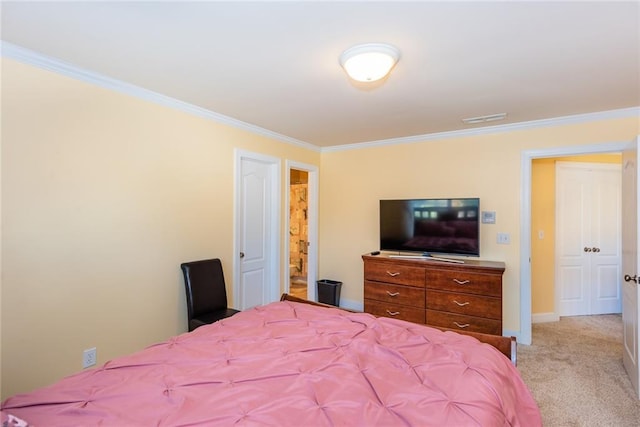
(293, 363)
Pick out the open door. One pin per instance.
(630, 262)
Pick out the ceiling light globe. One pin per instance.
(369, 62)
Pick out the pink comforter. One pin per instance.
(294, 364)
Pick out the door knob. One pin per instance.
(587, 249)
(241, 254)
(596, 249)
(633, 278)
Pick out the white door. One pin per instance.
(588, 248)
(630, 263)
(257, 230)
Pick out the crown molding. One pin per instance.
(26, 56)
(533, 124)
(18, 53)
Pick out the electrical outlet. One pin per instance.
(504, 238)
(89, 357)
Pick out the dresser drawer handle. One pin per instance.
(393, 294)
(393, 313)
(393, 274)
(466, 325)
(462, 304)
(461, 282)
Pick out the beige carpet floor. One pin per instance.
(574, 371)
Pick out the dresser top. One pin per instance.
(430, 262)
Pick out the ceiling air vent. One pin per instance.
(483, 119)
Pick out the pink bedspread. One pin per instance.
(294, 364)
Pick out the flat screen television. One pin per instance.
(431, 226)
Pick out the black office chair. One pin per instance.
(206, 292)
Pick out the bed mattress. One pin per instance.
(295, 364)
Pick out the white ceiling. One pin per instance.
(275, 64)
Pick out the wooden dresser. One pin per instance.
(448, 295)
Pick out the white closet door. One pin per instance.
(588, 245)
(606, 236)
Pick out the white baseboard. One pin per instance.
(351, 305)
(544, 318)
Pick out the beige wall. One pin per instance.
(103, 196)
(488, 166)
(543, 215)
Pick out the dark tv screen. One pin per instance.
(438, 226)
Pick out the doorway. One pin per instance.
(301, 230)
(298, 232)
(526, 230)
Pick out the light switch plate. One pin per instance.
(504, 238)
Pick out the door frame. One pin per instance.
(273, 246)
(525, 218)
(312, 226)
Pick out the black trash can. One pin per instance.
(329, 292)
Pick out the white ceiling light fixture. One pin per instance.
(370, 61)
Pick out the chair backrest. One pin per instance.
(204, 285)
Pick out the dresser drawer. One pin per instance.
(468, 304)
(462, 281)
(390, 273)
(394, 311)
(394, 294)
(462, 322)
